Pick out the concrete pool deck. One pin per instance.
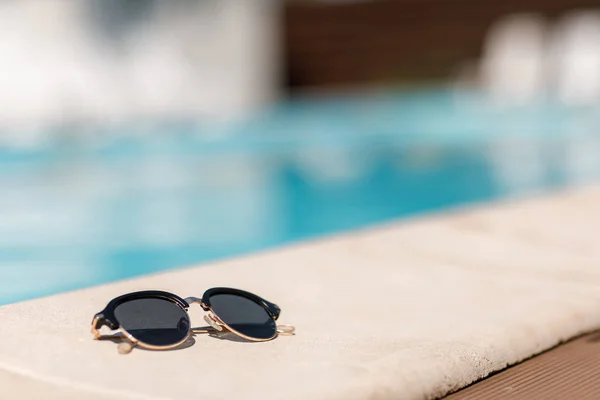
(413, 309)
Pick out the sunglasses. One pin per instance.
(159, 320)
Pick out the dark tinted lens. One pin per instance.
(243, 315)
(154, 321)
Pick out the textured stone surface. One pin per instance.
(409, 310)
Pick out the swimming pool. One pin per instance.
(131, 202)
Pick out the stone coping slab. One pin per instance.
(412, 309)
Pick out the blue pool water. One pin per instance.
(130, 202)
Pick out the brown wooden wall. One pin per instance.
(394, 40)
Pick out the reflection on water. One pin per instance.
(79, 216)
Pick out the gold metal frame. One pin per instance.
(216, 325)
(133, 342)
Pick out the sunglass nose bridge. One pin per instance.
(195, 300)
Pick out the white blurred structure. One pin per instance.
(84, 62)
(575, 58)
(525, 59)
(513, 63)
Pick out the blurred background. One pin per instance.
(143, 135)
